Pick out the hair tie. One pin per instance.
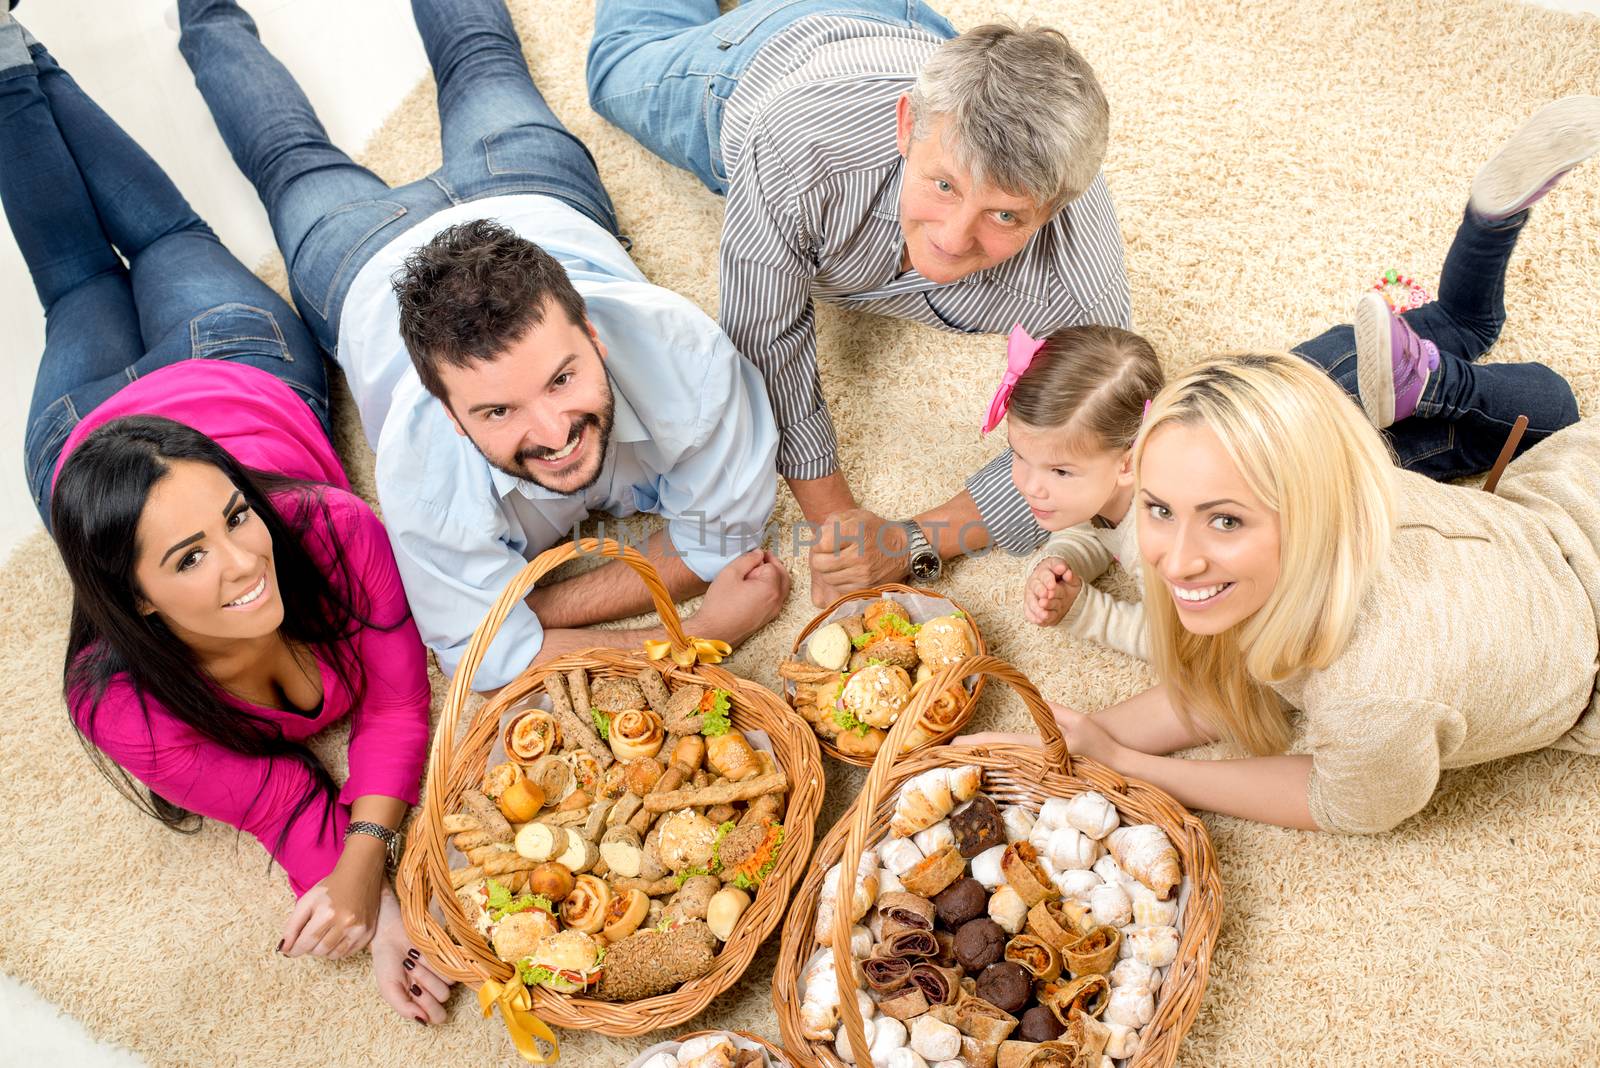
(1020, 351)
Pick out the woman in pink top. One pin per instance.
(231, 598)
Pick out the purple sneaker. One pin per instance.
(1555, 139)
(1392, 362)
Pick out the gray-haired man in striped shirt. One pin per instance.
(873, 159)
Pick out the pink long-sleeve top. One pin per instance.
(266, 426)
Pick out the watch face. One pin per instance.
(925, 566)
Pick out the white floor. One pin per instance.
(356, 59)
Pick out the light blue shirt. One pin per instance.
(693, 438)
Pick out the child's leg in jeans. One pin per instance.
(91, 328)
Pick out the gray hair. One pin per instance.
(1025, 111)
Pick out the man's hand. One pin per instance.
(856, 548)
(1051, 591)
(746, 596)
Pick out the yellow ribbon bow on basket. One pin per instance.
(703, 650)
(516, 1009)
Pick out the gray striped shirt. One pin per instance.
(808, 138)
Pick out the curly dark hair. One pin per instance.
(472, 291)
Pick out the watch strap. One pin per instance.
(390, 839)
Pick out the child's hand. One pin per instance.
(1051, 590)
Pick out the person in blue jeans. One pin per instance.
(82, 197)
(513, 369)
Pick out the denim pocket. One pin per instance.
(232, 330)
(41, 447)
(327, 257)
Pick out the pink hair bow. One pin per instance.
(1020, 351)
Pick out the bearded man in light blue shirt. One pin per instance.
(513, 369)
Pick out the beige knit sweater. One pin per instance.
(1476, 641)
(1089, 549)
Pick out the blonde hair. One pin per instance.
(1314, 459)
(1094, 380)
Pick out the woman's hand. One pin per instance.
(1085, 737)
(404, 979)
(338, 916)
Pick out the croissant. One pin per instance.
(1135, 973)
(532, 735)
(928, 798)
(1069, 849)
(1155, 946)
(900, 855)
(1149, 910)
(1122, 1042)
(932, 839)
(1092, 814)
(1018, 821)
(730, 756)
(1145, 853)
(1110, 906)
(1130, 1007)
(635, 733)
(1076, 883)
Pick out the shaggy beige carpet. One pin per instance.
(1267, 160)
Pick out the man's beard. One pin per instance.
(520, 465)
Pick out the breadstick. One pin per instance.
(627, 806)
(466, 840)
(765, 809)
(578, 686)
(655, 691)
(487, 813)
(575, 727)
(479, 854)
(460, 822)
(460, 877)
(668, 885)
(505, 863)
(720, 814)
(718, 794)
(686, 756)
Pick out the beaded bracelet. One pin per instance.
(1410, 294)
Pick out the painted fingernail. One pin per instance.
(413, 954)
(416, 991)
(280, 945)
(408, 964)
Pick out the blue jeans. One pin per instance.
(1467, 409)
(663, 71)
(331, 215)
(78, 191)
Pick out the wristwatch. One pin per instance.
(393, 841)
(926, 564)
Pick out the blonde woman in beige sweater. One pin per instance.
(1072, 402)
(1290, 565)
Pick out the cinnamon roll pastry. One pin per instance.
(497, 778)
(1022, 870)
(910, 943)
(939, 984)
(585, 908)
(1087, 994)
(909, 911)
(886, 974)
(531, 735)
(1050, 921)
(624, 913)
(635, 733)
(941, 714)
(1095, 952)
(586, 770)
(1036, 956)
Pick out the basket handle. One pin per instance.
(875, 788)
(515, 591)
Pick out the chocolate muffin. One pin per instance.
(1039, 1024)
(1005, 985)
(979, 943)
(963, 900)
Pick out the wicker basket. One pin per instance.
(454, 948)
(872, 594)
(1019, 774)
(775, 1053)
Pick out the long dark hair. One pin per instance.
(98, 500)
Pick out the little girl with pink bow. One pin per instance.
(1072, 403)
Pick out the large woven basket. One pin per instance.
(867, 596)
(1013, 774)
(453, 946)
